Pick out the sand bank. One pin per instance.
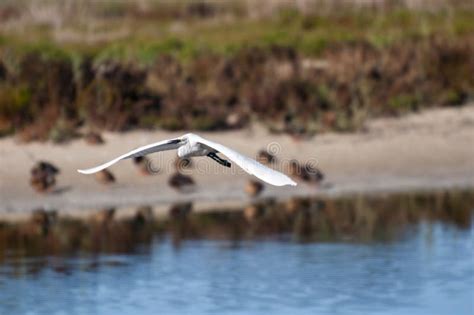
(430, 150)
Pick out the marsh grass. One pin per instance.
(308, 32)
(194, 64)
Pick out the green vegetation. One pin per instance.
(146, 37)
(300, 71)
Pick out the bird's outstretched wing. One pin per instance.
(147, 149)
(249, 165)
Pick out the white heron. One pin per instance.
(191, 145)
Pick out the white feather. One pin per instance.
(247, 164)
(147, 149)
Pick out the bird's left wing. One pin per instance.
(147, 149)
(250, 165)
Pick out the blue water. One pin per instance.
(431, 271)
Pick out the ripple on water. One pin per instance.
(426, 269)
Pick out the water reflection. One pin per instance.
(359, 219)
(397, 254)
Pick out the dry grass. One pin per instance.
(300, 67)
(50, 98)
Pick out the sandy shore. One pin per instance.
(434, 149)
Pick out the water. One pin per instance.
(429, 270)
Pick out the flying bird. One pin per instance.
(191, 145)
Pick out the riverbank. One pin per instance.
(430, 150)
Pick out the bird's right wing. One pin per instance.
(147, 149)
(249, 165)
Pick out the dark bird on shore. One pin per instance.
(294, 169)
(43, 176)
(93, 138)
(306, 173)
(42, 184)
(312, 174)
(265, 157)
(254, 188)
(105, 177)
(181, 182)
(46, 167)
(144, 165)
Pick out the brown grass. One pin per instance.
(278, 87)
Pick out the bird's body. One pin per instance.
(265, 157)
(254, 188)
(181, 182)
(105, 177)
(191, 145)
(193, 149)
(143, 165)
(43, 176)
(93, 138)
(306, 173)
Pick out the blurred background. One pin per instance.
(367, 104)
